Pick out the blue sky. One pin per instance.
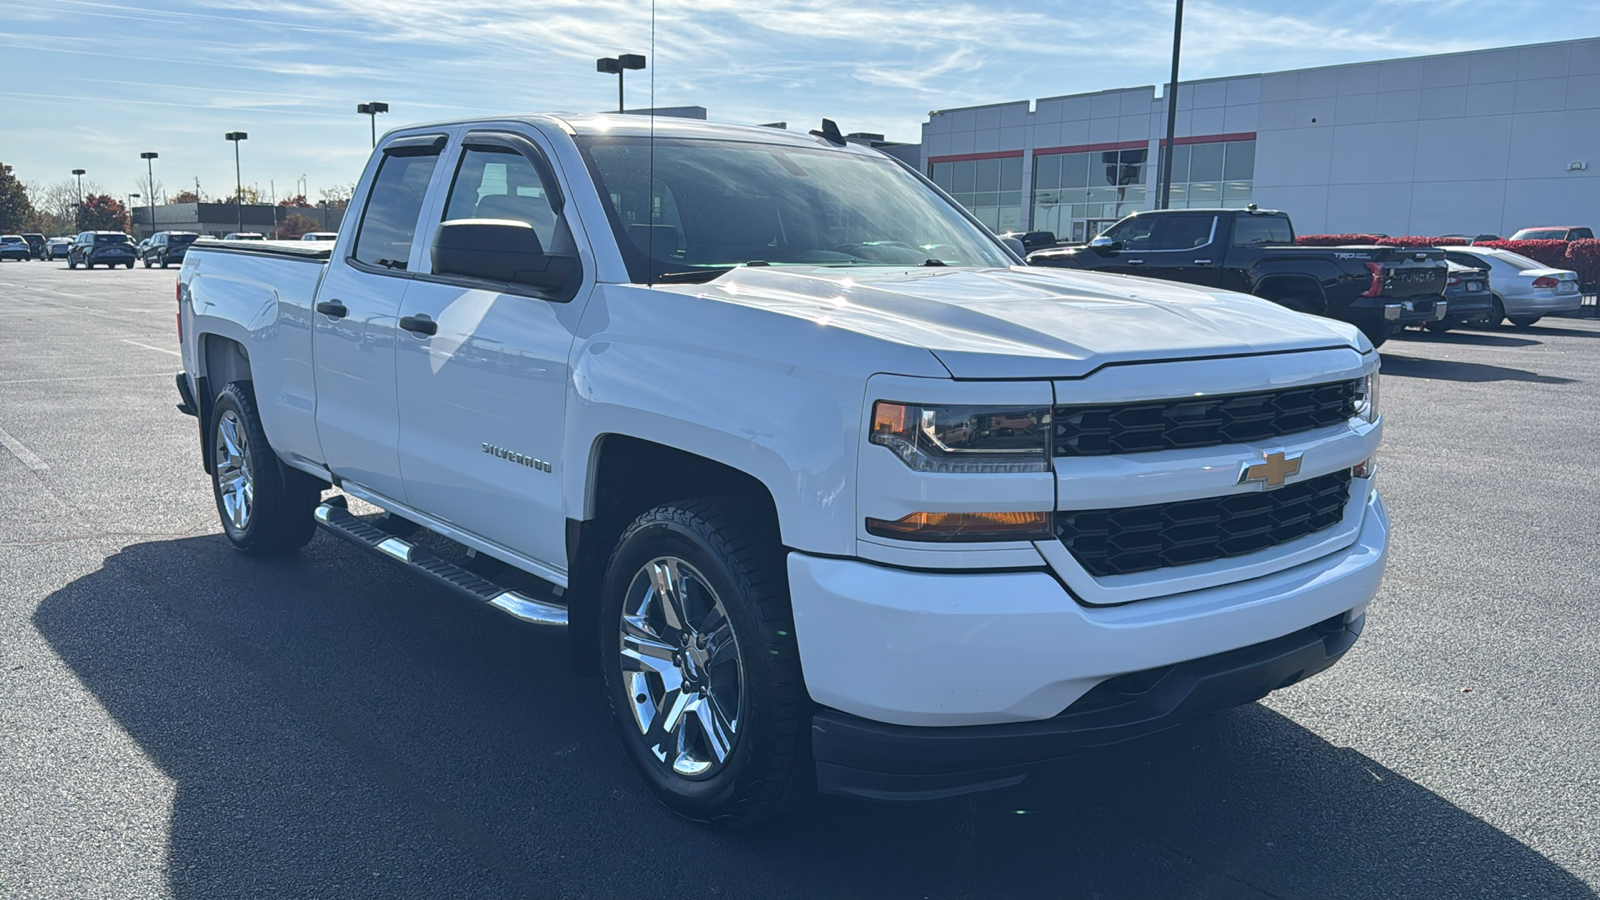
(91, 83)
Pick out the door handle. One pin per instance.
(419, 325)
(1202, 262)
(1135, 262)
(333, 309)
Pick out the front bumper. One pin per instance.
(861, 758)
(960, 658)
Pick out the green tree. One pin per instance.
(16, 210)
(101, 212)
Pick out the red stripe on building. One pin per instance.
(998, 154)
(1212, 138)
(1092, 148)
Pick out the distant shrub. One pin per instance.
(1583, 257)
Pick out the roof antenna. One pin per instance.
(829, 132)
(650, 189)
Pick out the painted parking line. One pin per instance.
(21, 452)
(150, 347)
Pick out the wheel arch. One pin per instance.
(628, 476)
(220, 360)
(1281, 286)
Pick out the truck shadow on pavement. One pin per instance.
(335, 729)
(1463, 337)
(1395, 365)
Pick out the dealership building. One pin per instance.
(1462, 143)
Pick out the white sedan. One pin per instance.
(1525, 290)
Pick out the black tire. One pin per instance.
(1497, 314)
(147, 262)
(282, 500)
(1439, 327)
(1377, 334)
(163, 260)
(130, 263)
(71, 263)
(1524, 321)
(87, 263)
(732, 544)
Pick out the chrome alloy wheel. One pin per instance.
(235, 471)
(681, 667)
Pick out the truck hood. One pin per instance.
(1030, 323)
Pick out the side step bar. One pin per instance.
(332, 516)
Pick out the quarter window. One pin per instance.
(389, 222)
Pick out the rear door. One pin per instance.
(356, 319)
(483, 375)
(1187, 247)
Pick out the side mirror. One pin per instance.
(497, 250)
(1104, 243)
(1016, 246)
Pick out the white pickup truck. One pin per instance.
(832, 491)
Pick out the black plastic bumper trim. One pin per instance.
(188, 407)
(862, 758)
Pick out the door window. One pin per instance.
(390, 220)
(1250, 231)
(501, 184)
(1184, 232)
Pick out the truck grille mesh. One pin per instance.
(1140, 538)
(1200, 421)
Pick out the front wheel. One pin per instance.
(87, 263)
(163, 260)
(700, 662)
(147, 262)
(266, 507)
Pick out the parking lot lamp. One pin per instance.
(371, 110)
(150, 184)
(238, 181)
(80, 174)
(617, 65)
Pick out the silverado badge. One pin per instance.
(1271, 471)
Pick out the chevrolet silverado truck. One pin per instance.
(831, 490)
(1380, 290)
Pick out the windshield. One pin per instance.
(110, 239)
(11, 239)
(714, 205)
(1540, 234)
(181, 238)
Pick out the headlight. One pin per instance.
(1366, 399)
(975, 440)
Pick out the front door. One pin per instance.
(357, 311)
(482, 397)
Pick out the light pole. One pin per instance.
(1164, 189)
(150, 184)
(371, 110)
(238, 182)
(324, 205)
(80, 173)
(131, 198)
(617, 65)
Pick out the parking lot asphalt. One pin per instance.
(178, 720)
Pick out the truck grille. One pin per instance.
(1200, 421)
(1140, 538)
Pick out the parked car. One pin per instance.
(1470, 301)
(13, 246)
(1032, 240)
(1000, 514)
(1522, 289)
(1378, 289)
(320, 236)
(57, 247)
(167, 247)
(244, 236)
(108, 248)
(35, 243)
(1554, 233)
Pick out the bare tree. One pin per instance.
(339, 195)
(57, 202)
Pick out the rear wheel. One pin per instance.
(130, 263)
(700, 663)
(266, 507)
(1498, 313)
(1524, 321)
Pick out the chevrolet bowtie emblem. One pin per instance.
(1271, 471)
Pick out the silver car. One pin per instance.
(1525, 290)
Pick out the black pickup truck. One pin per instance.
(1378, 289)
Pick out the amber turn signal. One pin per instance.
(985, 526)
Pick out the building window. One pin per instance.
(991, 189)
(1213, 175)
(1076, 194)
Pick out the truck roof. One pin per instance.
(634, 125)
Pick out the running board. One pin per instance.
(422, 561)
